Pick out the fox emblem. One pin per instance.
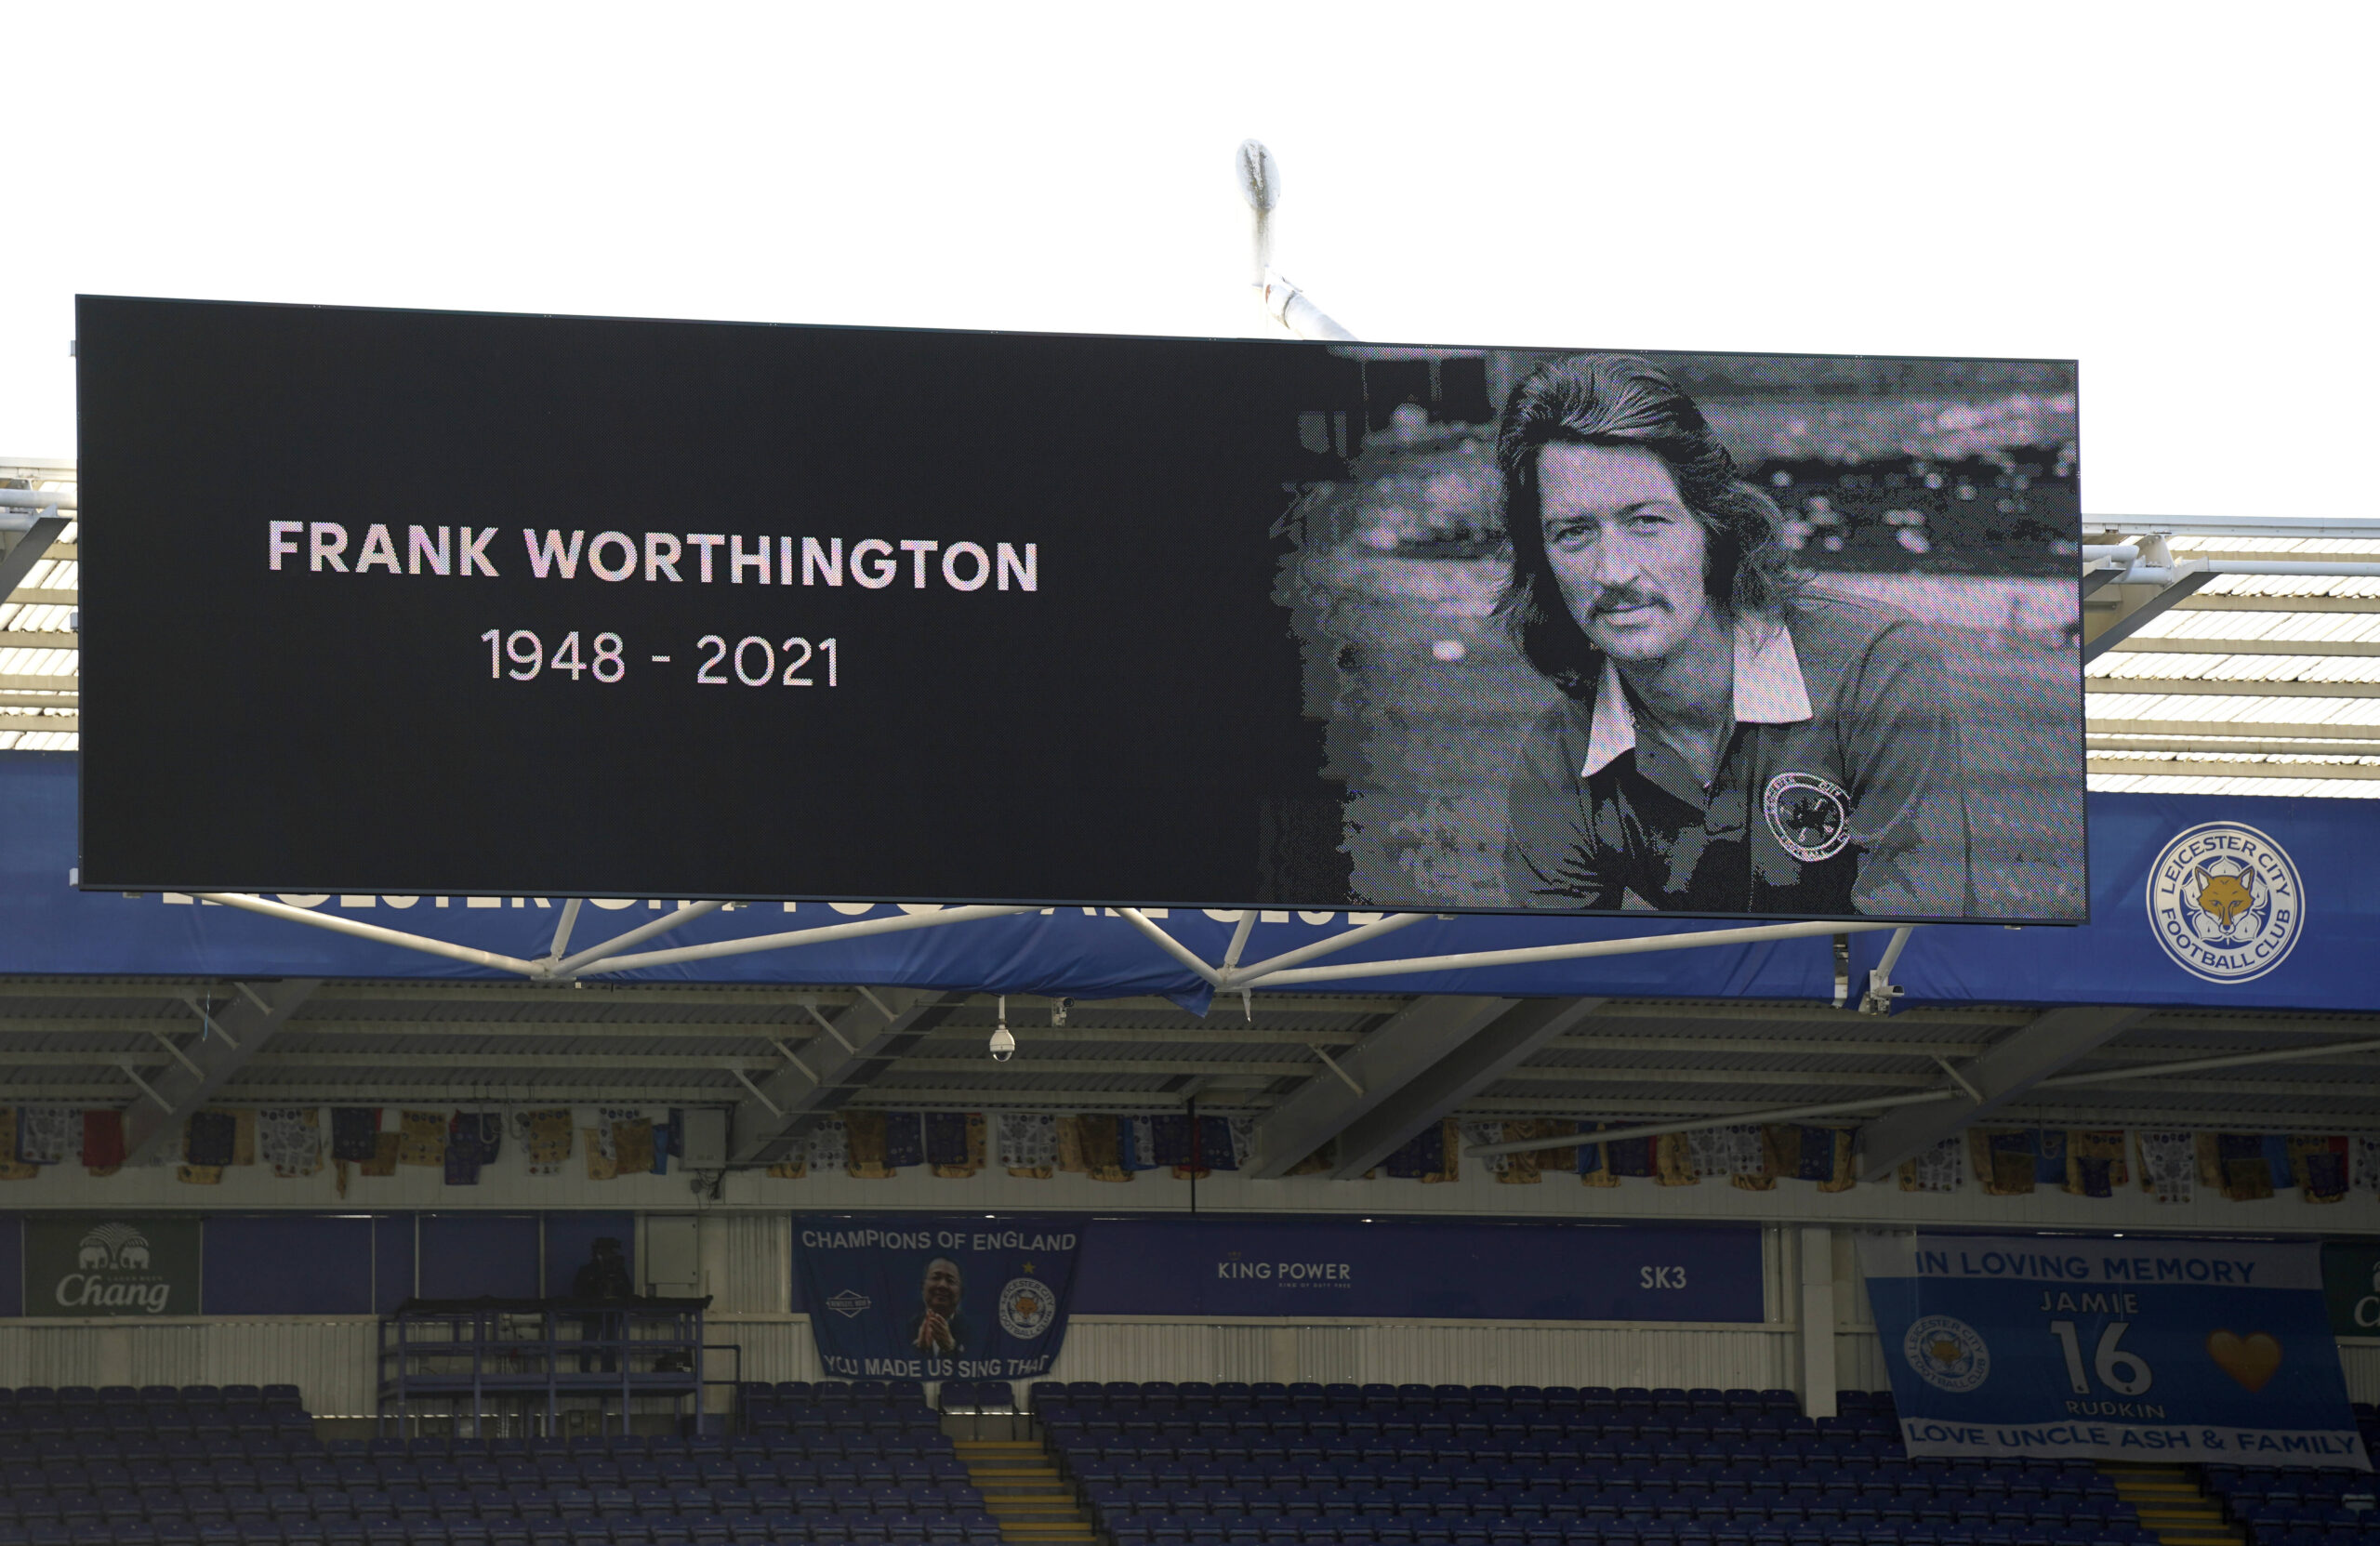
(2226, 896)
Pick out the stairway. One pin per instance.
(2170, 1501)
(1022, 1490)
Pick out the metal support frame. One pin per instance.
(2056, 1039)
(1282, 971)
(247, 1021)
(872, 1033)
(1961, 1088)
(1882, 990)
(1470, 1065)
(1393, 1054)
(30, 549)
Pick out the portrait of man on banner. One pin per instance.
(940, 1326)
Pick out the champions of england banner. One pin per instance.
(936, 1297)
(2209, 1351)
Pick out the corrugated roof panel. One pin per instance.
(2171, 784)
(2246, 708)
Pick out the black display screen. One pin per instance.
(416, 602)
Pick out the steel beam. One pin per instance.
(2218, 645)
(2145, 767)
(862, 1040)
(31, 548)
(1393, 1054)
(1492, 1052)
(2018, 1062)
(2135, 606)
(2169, 687)
(241, 1027)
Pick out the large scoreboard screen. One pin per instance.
(421, 602)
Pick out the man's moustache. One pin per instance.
(1623, 603)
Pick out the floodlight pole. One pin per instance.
(1260, 184)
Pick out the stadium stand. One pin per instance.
(1269, 1464)
(240, 1466)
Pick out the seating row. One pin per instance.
(1048, 1392)
(1910, 1491)
(1324, 1421)
(1835, 1526)
(672, 1530)
(558, 1470)
(2359, 1534)
(834, 1395)
(300, 1450)
(149, 1395)
(1648, 1535)
(195, 1503)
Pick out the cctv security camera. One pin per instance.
(1003, 1044)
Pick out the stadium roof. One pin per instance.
(1290, 1061)
(2248, 683)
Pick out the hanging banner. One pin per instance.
(911, 1297)
(78, 1267)
(2215, 1352)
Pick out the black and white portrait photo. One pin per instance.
(1703, 634)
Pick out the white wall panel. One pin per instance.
(329, 1360)
(776, 1347)
(1395, 1353)
(759, 1258)
(2360, 1359)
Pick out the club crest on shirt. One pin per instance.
(1809, 816)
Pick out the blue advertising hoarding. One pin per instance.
(2224, 902)
(1460, 1270)
(2213, 1352)
(919, 1296)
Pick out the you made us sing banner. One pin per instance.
(909, 1296)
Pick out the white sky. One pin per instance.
(2178, 197)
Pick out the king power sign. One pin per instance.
(77, 1267)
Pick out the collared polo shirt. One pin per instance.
(1840, 786)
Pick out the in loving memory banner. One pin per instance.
(2210, 1350)
(936, 1297)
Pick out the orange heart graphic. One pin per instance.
(2252, 1360)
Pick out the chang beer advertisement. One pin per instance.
(936, 1297)
(87, 1266)
(2351, 1285)
(2080, 1347)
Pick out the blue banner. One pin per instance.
(1462, 1270)
(2214, 1352)
(2222, 902)
(936, 1297)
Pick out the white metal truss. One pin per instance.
(1227, 976)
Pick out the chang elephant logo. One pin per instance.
(112, 1274)
(2225, 901)
(119, 1246)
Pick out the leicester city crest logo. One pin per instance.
(1947, 1353)
(1027, 1307)
(2225, 901)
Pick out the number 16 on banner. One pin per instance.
(2125, 1373)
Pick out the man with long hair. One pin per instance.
(1731, 737)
